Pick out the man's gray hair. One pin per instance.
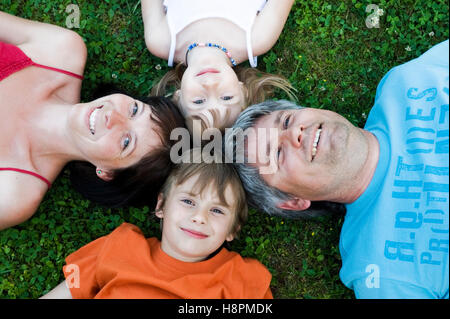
(259, 194)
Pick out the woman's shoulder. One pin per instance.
(63, 50)
(20, 196)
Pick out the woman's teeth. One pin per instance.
(316, 141)
(92, 121)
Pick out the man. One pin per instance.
(392, 176)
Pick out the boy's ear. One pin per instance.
(232, 235)
(104, 174)
(295, 204)
(159, 205)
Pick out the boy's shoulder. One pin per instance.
(246, 266)
(127, 236)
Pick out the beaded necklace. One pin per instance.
(195, 44)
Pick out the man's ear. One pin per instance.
(295, 204)
(159, 205)
(104, 174)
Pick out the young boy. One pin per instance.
(201, 207)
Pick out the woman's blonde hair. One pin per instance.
(259, 85)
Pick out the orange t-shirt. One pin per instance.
(124, 264)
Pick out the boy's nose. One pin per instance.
(199, 217)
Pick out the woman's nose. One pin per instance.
(114, 118)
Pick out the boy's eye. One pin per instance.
(135, 109)
(217, 211)
(199, 101)
(226, 98)
(187, 201)
(125, 142)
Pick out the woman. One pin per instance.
(208, 38)
(44, 126)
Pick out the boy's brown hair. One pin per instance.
(220, 176)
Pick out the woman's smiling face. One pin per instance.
(115, 131)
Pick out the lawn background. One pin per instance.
(328, 53)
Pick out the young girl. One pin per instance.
(208, 38)
(202, 206)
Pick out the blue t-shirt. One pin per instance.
(395, 238)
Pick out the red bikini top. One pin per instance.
(13, 59)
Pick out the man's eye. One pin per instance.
(198, 101)
(226, 98)
(135, 109)
(286, 122)
(126, 141)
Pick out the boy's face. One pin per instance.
(195, 225)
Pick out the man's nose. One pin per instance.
(294, 136)
(114, 118)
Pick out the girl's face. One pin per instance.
(195, 225)
(113, 132)
(212, 94)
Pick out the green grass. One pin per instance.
(326, 51)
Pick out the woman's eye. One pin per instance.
(286, 122)
(198, 101)
(126, 141)
(135, 109)
(278, 153)
(226, 98)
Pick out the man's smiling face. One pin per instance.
(314, 152)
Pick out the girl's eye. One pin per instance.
(216, 211)
(226, 98)
(198, 101)
(286, 122)
(135, 109)
(126, 141)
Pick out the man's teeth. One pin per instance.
(316, 141)
(92, 121)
